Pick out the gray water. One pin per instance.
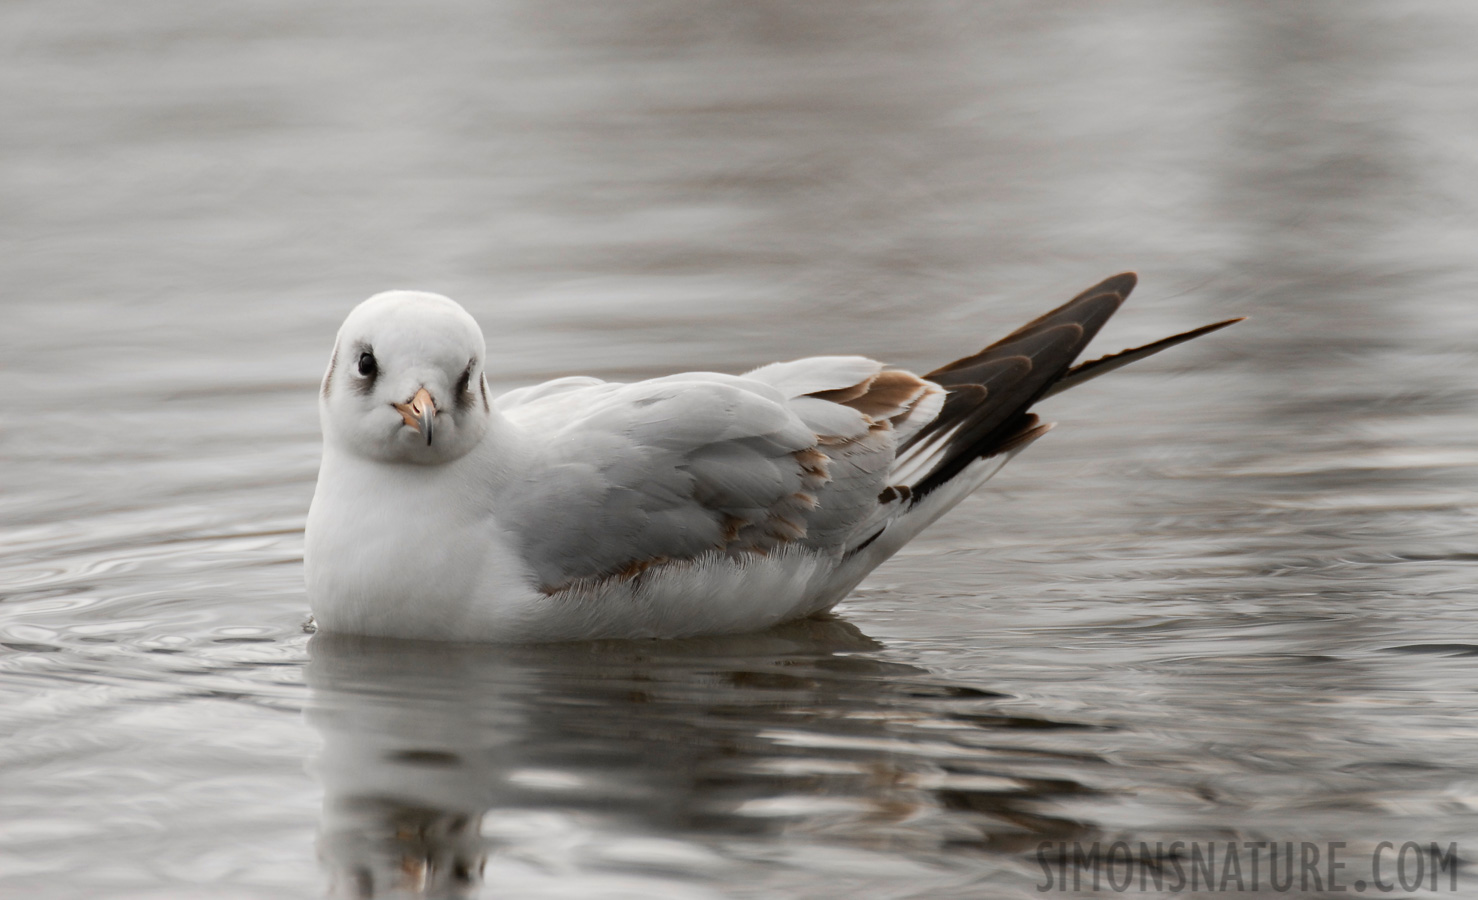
(1230, 598)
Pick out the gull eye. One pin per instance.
(367, 366)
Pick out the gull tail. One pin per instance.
(990, 394)
(986, 417)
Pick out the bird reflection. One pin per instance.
(438, 758)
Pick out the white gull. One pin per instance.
(693, 504)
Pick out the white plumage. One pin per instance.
(699, 503)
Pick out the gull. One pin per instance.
(693, 504)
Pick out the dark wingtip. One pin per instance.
(1105, 364)
(1088, 311)
(1032, 362)
(1214, 326)
(1120, 284)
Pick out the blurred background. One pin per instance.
(1231, 597)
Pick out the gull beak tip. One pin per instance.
(419, 413)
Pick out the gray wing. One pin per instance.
(823, 452)
(626, 476)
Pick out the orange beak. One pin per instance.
(419, 412)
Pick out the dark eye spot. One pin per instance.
(368, 368)
(464, 386)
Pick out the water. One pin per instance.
(1231, 598)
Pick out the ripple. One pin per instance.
(1230, 598)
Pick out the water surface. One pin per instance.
(1230, 598)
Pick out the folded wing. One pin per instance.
(634, 475)
(825, 452)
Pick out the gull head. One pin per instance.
(405, 383)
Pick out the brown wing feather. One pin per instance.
(892, 393)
